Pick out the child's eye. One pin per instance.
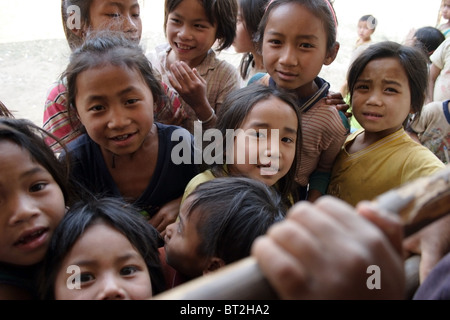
(274, 41)
(175, 21)
(113, 15)
(200, 26)
(131, 101)
(129, 270)
(287, 139)
(306, 45)
(37, 187)
(97, 108)
(361, 87)
(260, 134)
(86, 277)
(391, 90)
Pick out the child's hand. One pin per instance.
(189, 84)
(166, 215)
(431, 242)
(335, 98)
(324, 251)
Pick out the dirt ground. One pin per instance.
(34, 52)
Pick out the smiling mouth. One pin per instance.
(122, 137)
(183, 47)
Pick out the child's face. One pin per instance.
(182, 241)
(115, 105)
(381, 96)
(31, 206)
(189, 33)
(265, 147)
(117, 15)
(242, 42)
(110, 268)
(365, 31)
(446, 9)
(294, 48)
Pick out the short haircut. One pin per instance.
(371, 20)
(233, 212)
(412, 59)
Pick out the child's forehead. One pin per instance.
(388, 68)
(296, 16)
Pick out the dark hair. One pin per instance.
(31, 138)
(222, 13)
(74, 40)
(4, 112)
(236, 106)
(252, 12)
(233, 212)
(123, 217)
(428, 39)
(412, 59)
(108, 48)
(322, 9)
(373, 21)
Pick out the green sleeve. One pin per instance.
(319, 180)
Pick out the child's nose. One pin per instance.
(184, 33)
(288, 56)
(374, 98)
(22, 209)
(110, 288)
(118, 119)
(129, 25)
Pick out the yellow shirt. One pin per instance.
(195, 181)
(380, 167)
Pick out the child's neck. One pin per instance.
(367, 138)
(445, 25)
(361, 41)
(306, 91)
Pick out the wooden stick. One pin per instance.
(418, 203)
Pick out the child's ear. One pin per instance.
(214, 264)
(80, 33)
(332, 54)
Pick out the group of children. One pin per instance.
(117, 120)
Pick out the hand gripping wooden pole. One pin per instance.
(418, 203)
